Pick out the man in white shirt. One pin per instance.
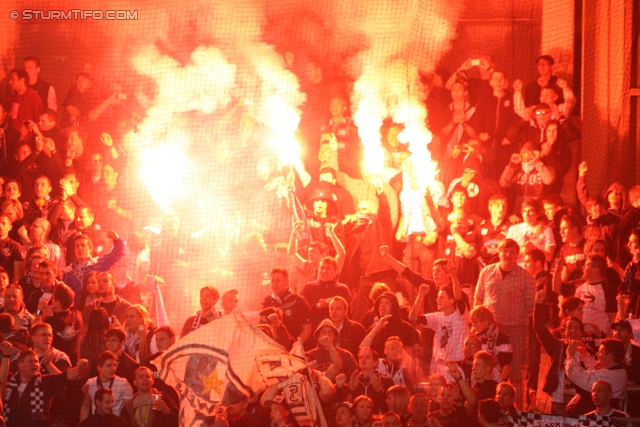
(450, 323)
(509, 292)
(532, 233)
(107, 378)
(610, 356)
(597, 294)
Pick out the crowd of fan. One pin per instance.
(419, 307)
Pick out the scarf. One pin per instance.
(26, 320)
(36, 397)
(489, 338)
(198, 319)
(280, 300)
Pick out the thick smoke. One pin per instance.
(219, 98)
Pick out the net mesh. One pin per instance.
(214, 92)
(211, 105)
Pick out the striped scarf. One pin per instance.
(36, 397)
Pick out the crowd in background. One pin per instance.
(420, 306)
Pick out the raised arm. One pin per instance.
(455, 283)
(418, 306)
(337, 245)
(385, 251)
(454, 371)
(434, 212)
(336, 362)
(292, 247)
(75, 372)
(368, 340)
(305, 178)
(581, 184)
(85, 410)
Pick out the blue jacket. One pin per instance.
(100, 264)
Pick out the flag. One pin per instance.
(532, 419)
(301, 396)
(222, 363)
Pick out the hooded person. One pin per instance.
(527, 176)
(387, 305)
(616, 196)
(323, 353)
(322, 212)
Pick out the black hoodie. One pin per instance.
(396, 327)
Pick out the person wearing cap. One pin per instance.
(327, 355)
(463, 193)
(537, 120)
(327, 181)
(279, 412)
(623, 331)
(345, 416)
(527, 174)
(545, 78)
(322, 216)
(477, 188)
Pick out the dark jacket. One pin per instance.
(633, 370)
(351, 335)
(396, 327)
(322, 357)
(365, 239)
(630, 219)
(317, 290)
(110, 420)
(555, 348)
